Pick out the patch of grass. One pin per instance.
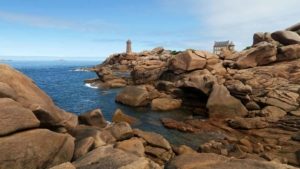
(174, 52)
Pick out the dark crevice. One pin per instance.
(194, 100)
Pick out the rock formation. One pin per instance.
(251, 97)
(36, 134)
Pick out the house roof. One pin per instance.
(223, 44)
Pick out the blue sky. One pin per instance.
(93, 29)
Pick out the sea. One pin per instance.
(63, 81)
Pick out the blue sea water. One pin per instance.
(61, 81)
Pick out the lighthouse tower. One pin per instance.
(128, 47)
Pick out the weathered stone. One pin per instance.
(187, 61)
(133, 96)
(112, 158)
(296, 136)
(7, 91)
(202, 80)
(165, 104)
(183, 149)
(252, 106)
(238, 89)
(157, 50)
(83, 146)
(210, 161)
(221, 104)
(286, 37)
(295, 113)
(38, 148)
(160, 153)
(261, 54)
(212, 147)
(82, 132)
(14, 117)
(262, 37)
(119, 116)
(30, 96)
(283, 99)
(217, 69)
(133, 145)
(93, 118)
(245, 142)
(295, 27)
(121, 131)
(174, 124)
(116, 83)
(153, 139)
(49, 119)
(273, 112)
(66, 165)
(150, 71)
(289, 52)
(248, 123)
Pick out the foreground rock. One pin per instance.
(66, 165)
(39, 148)
(165, 104)
(93, 118)
(153, 139)
(221, 104)
(210, 161)
(133, 145)
(34, 133)
(31, 97)
(119, 116)
(14, 117)
(112, 158)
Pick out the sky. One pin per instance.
(94, 29)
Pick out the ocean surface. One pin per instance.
(64, 82)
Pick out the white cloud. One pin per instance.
(237, 20)
(48, 22)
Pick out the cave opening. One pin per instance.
(194, 100)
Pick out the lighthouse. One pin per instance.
(128, 47)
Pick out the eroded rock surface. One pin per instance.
(38, 148)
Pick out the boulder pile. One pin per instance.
(36, 134)
(251, 96)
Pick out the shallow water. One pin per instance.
(65, 84)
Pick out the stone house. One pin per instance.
(221, 45)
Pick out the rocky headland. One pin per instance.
(250, 97)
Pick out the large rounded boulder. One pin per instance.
(286, 37)
(32, 97)
(15, 118)
(221, 104)
(38, 148)
(133, 96)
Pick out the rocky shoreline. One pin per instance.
(250, 97)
